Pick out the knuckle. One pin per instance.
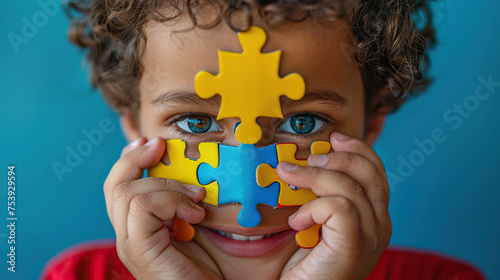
(343, 205)
(345, 159)
(163, 184)
(176, 197)
(357, 189)
(381, 191)
(139, 202)
(329, 159)
(349, 159)
(120, 190)
(170, 184)
(315, 172)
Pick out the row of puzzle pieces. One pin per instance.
(244, 174)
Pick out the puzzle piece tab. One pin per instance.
(250, 85)
(183, 231)
(236, 181)
(184, 169)
(308, 238)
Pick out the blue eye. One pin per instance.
(198, 124)
(302, 124)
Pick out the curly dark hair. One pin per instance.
(391, 37)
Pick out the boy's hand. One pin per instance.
(352, 208)
(142, 210)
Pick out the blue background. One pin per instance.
(448, 204)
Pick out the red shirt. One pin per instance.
(99, 261)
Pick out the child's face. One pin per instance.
(334, 101)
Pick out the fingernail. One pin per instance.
(134, 144)
(292, 216)
(317, 160)
(151, 142)
(193, 188)
(340, 136)
(288, 166)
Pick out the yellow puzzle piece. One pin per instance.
(266, 175)
(185, 170)
(250, 85)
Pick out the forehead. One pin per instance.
(319, 52)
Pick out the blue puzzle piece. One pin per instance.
(236, 176)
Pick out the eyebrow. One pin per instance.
(182, 98)
(322, 96)
(325, 96)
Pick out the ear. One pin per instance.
(129, 126)
(376, 113)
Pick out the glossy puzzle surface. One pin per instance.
(250, 87)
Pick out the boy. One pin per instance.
(351, 55)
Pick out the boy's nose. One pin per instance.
(268, 131)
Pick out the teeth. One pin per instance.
(240, 237)
(243, 237)
(255, 238)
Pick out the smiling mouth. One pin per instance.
(243, 237)
(247, 246)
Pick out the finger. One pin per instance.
(329, 183)
(148, 241)
(125, 192)
(144, 227)
(339, 218)
(131, 167)
(359, 161)
(344, 143)
(361, 170)
(130, 147)
(356, 166)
